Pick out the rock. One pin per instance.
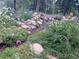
(33, 22)
(51, 57)
(37, 48)
(29, 32)
(36, 58)
(24, 26)
(39, 22)
(18, 42)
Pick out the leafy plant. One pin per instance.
(25, 17)
(8, 53)
(10, 40)
(7, 35)
(21, 34)
(7, 19)
(25, 52)
(21, 52)
(12, 34)
(61, 39)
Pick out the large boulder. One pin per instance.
(37, 48)
(51, 57)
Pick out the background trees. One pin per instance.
(46, 6)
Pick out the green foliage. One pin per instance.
(6, 19)
(21, 52)
(8, 53)
(61, 39)
(10, 40)
(25, 52)
(10, 35)
(21, 34)
(7, 34)
(25, 16)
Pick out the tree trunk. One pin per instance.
(38, 6)
(14, 5)
(46, 4)
(66, 6)
(15, 13)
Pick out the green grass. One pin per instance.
(60, 39)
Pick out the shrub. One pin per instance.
(25, 16)
(12, 34)
(10, 41)
(21, 52)
(8, 53)
(25, 52)
(7, 35)
(60, 39)
(21, 34)
(6, 20)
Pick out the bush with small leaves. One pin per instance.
(61, 39)
(7, 20)
(12, 34)
(21, 52)
(21, 34)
